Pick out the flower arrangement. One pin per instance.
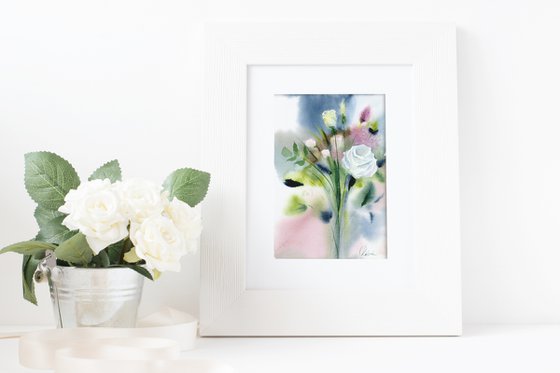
(347, 162)
(109, 222)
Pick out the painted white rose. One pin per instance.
(141, 199)
(329, 118)
(360, 161)
(159, 242)
(96, 211)
(325, 153)
(189, 222)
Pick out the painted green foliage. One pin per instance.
(334, 163)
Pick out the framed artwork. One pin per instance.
(330, 161)
(334, 208)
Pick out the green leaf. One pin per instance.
(286, 152)
(295, 206)
(300, 163)
(101, 260)
(292, 183)
(142, 270)
(367, 194)
(48, 178)
(74, 250)
(380, 175)
(110, 170)
(28, 268)
(188, 185)
(28, 248)
(295, 148)
(54, 232)
(105, 262)
(44, 215)
(114, 251)
(50, 224)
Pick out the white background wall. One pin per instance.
(97, 80)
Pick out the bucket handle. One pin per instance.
(45, 271)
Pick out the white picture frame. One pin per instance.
(429, 303)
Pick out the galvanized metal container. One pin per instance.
(107, 297)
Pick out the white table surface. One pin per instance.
(482, 348)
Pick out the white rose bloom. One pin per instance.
(95, 210)
(159, 242)
(310, 143)
(325, 153)
(360, 161)
(189, 222)
(329, 118)
(141, 199)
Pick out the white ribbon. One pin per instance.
(152, 347)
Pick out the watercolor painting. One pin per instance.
(330, 161)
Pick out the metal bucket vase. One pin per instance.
(95, 297)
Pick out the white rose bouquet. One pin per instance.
(109, 222)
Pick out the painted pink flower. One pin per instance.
(365, 114)
(362, 136)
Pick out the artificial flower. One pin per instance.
(189, 222)
(159, 242)
(94, 208)
(141, 199)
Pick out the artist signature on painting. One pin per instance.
(366, 251)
